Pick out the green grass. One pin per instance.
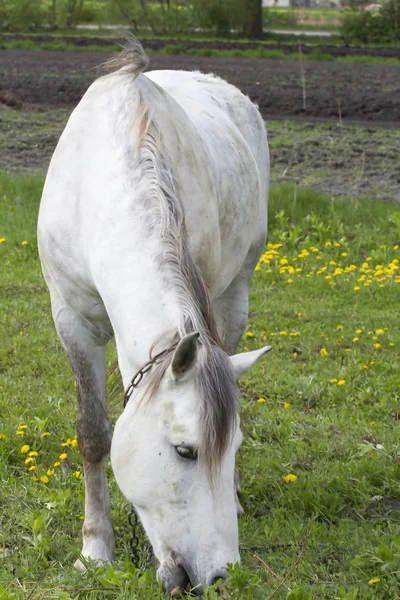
(333, 529)
(179, 49)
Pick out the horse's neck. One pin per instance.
(148, 311)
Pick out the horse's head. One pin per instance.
(174, 460)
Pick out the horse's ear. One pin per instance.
(242, 362)
(184, 356)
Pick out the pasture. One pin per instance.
(320, 461)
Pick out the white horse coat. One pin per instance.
(168, 151)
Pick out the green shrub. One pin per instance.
(364, 27)
(162, 18)
(220, 15)
(21, 15)
(279, 18)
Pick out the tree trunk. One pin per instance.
(253, 27)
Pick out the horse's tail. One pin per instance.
(132, 59)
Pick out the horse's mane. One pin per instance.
(159, 194)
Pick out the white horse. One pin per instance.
(152, 220)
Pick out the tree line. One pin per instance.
(244, 17)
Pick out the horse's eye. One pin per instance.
(187, 452)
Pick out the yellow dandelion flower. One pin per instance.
(290, 478)
(287, 405)
(57, 463)
(323, 352)
(377, 346)
(391, 344)
(74, 442)
(67, 443)
(358, 331)
(2, 240)
(290, 280)
(261, 400)
(344, 253)
(50, 472)
(283, 333)
(29, 460)
(24, 243)
(22, 426)
(333, 380)
(2, 436)
(379, 331)
(19, 432)
(356, 339)
(299, 314)
(373, 580)
(32, 468)
(44, 479)
(78, 475)
(25, 449)
(45, 434)
(372, 422)
(339, 327)
(327, 244)
(249, 334)
(341, 382)
(62, 456)
(356, 288)
(33, 453)
(365, 366)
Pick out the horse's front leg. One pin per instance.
(94, 430)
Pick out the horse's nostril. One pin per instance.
(218, 577)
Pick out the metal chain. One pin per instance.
(136, 558)
(132, 518)
(137, 378)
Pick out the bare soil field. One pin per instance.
(339, 160)
(337, 145)
(342, 92)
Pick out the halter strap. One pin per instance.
(137, 378)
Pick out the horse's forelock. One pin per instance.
(219, 398)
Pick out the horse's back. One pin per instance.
(234, 142)
(205, 98)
